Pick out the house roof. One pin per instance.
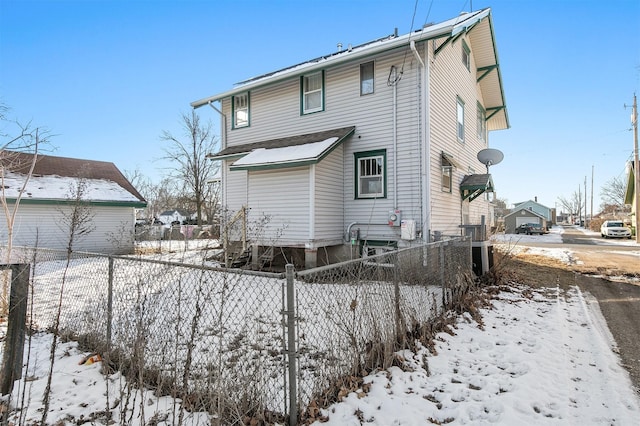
(529, 202)
(533, 213)
(472, 186)
(286, 152)
(181, 212)
(477, 25)
(52, 177)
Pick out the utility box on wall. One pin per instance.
(395, 217)
(408, 230)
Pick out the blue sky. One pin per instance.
(108, 77)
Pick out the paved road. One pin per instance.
(620, 306)
(619, 302)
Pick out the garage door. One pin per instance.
(523, 220)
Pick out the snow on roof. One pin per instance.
(450, 27)
(54, 187)
(288, 154)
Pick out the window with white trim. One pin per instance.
(312, 88)
(366, 78)
(460, 119)
(370, 174)
(466, 56)
(482, 124)
(240, 107)
(447, 178)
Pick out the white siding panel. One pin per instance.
(111, 228)
(329, 205)
(449, 79)
(279, 205)
(235, 187)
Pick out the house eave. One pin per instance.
(451, 27)
(94, 203)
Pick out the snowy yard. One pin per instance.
(539, 357)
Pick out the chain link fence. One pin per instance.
(227, 342)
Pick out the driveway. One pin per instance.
(610, 271)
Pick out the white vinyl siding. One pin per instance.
(112, 228)
(235, 189)
(279, 205)
(450, 79)
(328, 200)
(276, 113)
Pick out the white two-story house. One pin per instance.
(370, 148)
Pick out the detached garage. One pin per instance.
(522, 216)
(57, 188)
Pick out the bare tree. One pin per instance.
(26, 139)
(77, 222)
(612, 193)
(189, 158)
(574, 204)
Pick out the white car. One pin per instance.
(614, 229)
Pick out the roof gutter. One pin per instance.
(424, 34)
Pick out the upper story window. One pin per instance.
(240, 107)
(366, 78)
(466, 55)
(312, 88)
(371, 174)
(460, 119)
(482, 124)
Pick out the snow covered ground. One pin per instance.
(539, 357)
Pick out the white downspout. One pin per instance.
(426, 141)
(395, 139)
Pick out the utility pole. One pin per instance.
(592, 166)
(636, 166)
(586, 224)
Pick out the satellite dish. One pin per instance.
(490, 156)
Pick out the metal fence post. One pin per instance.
(109, 305)
(14, 342)
(291, 347)
(443, 278)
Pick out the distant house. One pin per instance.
(522, 215)
(548, 213)
(57, 185)
(169, 217)
(366, 149)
